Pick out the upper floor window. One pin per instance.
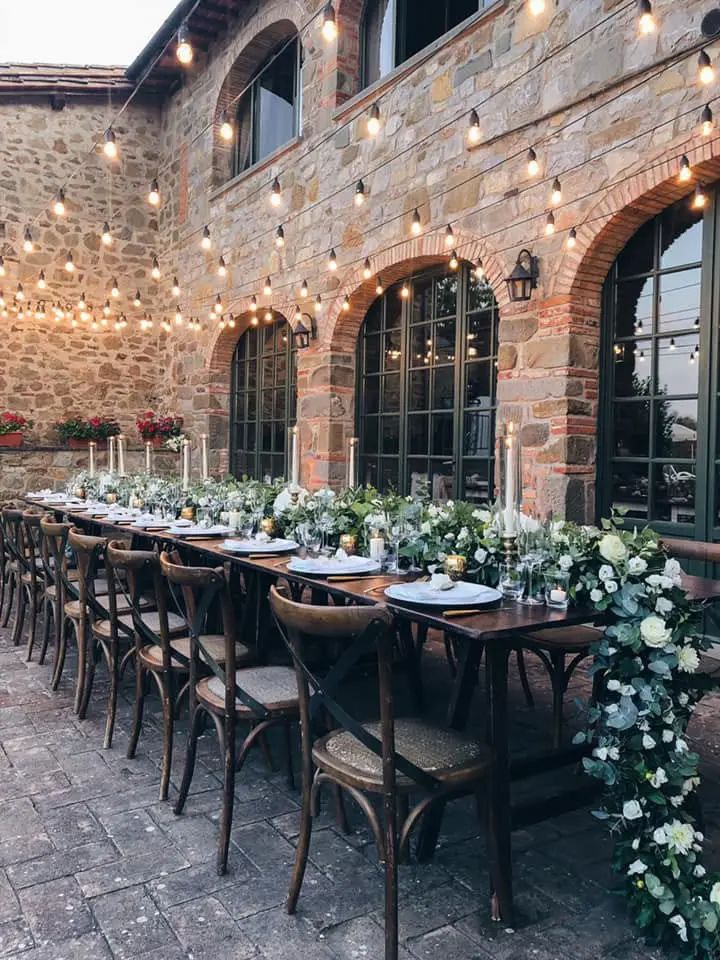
(395, 30)
(268, 113)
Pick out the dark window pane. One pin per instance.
(478, 340)
(676, 428)
(477, 391)
(677, 366)
(442, 475)
(674, 492)
(267, 405)
(390, 427)
(371, 471)
(389, 473)
(276, 113)
(420, 344)
(371, 395)
(633, 368)
(630, 489)
(418, 433)
(446, 297)
(379, 39)
(445, 341)
(279, 406)
(444, 389)
(459, 10)
(679, 306)
(632, 429)
(391, 393)
(267, 437)
(373, 318)
(634, 309)
(478, 439)
(422, 309)
(639, 255)
(393, 309)
(391, 350)
(251, 435)
(372, 354)
(370, 434)
(421, 26)
(417, 476)
(476, 485)
(419, 390)
(442, 434)
(680, 236)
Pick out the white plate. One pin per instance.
(259, 546)
(463, 594)
(329, 566)
(156, 525)
(195, 531)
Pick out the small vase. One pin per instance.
(187, 513)
(11, 439)
(111, 498)
(268, 526)
(349, 543)
(79, 492)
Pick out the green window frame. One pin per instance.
(263, 400)
(426, 386)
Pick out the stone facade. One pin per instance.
(608, 112)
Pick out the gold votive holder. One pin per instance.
(79, 492)
(268, 526)
(349, 543)
(455, 566)
(187, 513)
(111, 498)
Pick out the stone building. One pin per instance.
(611, 365)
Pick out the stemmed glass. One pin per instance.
(532, 547)
(310, 536)
(398, 532)
(325, 525)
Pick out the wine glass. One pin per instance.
(397, 535)
(310, 536)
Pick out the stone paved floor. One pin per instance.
(92, 866)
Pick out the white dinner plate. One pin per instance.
(195, 531)
(329, 566)
(259, 546)
(463, 594)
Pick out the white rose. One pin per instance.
(613, 753)
(612, 548)
(596, 596)
(425, 528)
(681, 746)
(613, 685)
(601, 753)
(678, 836)
(636, 843)
(648, 742)
(659, 778)
(481, 555)
(679, 922)
(611, 586)
(632, 810)
(637, 565)
(654, 632)
(484, 516)
(699, 870)
(673, 570)
(663, 605)
(565, 562)
(637, 866)
(659, 835)
(688, 660)
(668, 736)
(605, 572)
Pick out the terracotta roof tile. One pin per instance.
(60, 78)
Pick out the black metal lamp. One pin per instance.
(303, 331)
(523, 280)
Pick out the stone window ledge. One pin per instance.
(371, 93)
(256, 168)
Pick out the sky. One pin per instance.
(78, 31)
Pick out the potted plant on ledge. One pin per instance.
(76, 433)
(158, 429)
(13, 428)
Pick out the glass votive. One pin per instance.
(512, 580)
(455, 566)
(557, 589)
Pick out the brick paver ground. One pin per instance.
(93, 866)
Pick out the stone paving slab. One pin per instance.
(94, 867)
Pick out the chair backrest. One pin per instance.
(12, 533)
(89, 553)
(31, 536)
(202, 589)
(53, 551)
(138, 566)
(362, 630)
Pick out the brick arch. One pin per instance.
(344, 79)
(245, 65)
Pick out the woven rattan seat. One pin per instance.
(213, 643)
(176, 624)
(274, 687)
(572, 639)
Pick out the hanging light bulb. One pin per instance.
(480, 270)
(685, 171)
(329, 24)
(279, 238)
(137, 300)
(318, 303)
(110, 146)
(106, 308)
(267, 289)
(28, 246)
(69, 262)
(59, 204)
(41, 281)
(454, 262)
(572, 239)
(2, 267)
(254, 304)
(646, 22)
(153, 196)
(556, 195)
(269, 315)
(106, 236)
(550, 224)
(672, 343)
(405, 291)
(226, 128)
(533, 167)
(706, 71)
(416, 224)
(81, 302)
(379, 286)
(114, 289)
(367, 269)
(218, 308)
(184, 50)
(178, 315)
(276, 193)
(359, 193)
(536, 7)
(19, 292)
(304, 289)
(206, 242)
(346, 304)
(155, 271)
(706, 121)
(254, 320)
(700, 197)
(332, 261)
(474, 132)
(449, 237)
(373, 123)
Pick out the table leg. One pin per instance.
(412, 656)
(499, 811)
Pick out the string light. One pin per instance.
(454, 262)
(267, 289)
(137, 299)
(184, 50)
(416, 225)
(379, 286)
(700, 197)
(175, 287)
(304, 289)
(685, 172)
(81, 302)
(533, 167)
(106, 236)
(226, 128)
(155, 271)
(474, 132)
(550, 224)
(480, 270)
(154, 193)
(106, 308)
(332, 261)
(329, 25)
(254, 320)
(318, 303)
(276, 193)
(646, 22)
(41, 281)
(279, 237)
(59, 204)
(536, 7)
(373, 123)
(218, 308)
(367, 269)
(222, 267)
(110, 146)
(405, 291)
(114, 289)
(706, 71)
(706, 121)
(346, 304)
(2, 267)
(254, 304)
(178, 315)
(269, 315)
(69, 262)
(672, 343)
(572, 239)
(206, 242)
(359, 193)
(449, 236)
(28, 241)
(298, 314)
(556, 195)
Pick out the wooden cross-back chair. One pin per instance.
(63, 594)
(386, 761)
(33, 578)
(16, 566)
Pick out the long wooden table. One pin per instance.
(495, 632)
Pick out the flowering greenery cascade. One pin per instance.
(151, 425)
(96, 428)
(648, 656)
(14, 423)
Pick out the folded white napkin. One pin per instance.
(440, 581)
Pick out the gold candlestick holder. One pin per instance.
(510, 547)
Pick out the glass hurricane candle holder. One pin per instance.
(512, 580)
(455, 566)
(557, 589)
(268, 526)
(349, 543)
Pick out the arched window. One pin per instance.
(268, 113)
(659, 453)
(394, 30)
(263, 400)
(426, 386)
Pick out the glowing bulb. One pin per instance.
(218, 305)
(41, 281)
(2, 267)
(332, 261)
(304, 289)
(474, 132)
(533, 167)
(298, 314)
(178, 315)
(359, 193)
(269, 315)
(556, 195)
(155, 271)
(318, 303)
(28, 241)
(367, 269)
(206, 242)
(115, 290)
(449, 237)
(405, 291)
(329, 26)
(346, 304)
(254, 304)
(267, 289)
(379, 286)
(81, 302)
(536, 7)
(700, 197)
(672, 343)
(154, 193)
(706, 121)
(222, 268)
(373, 124)
(184, 50)
(69, 263)
(110, 146)
(572, 239)
(253, 320)
(550, 225)
(646, 22)
(480, 270)
(19, 292)
(706, 71)
(685, 172)
(137, 299)
(106, 308)
(416, 224)
(276, 193)
(106, 236)
(279, 238)
(454, 262)
(175, 287)
(59, 205)
(226, 128)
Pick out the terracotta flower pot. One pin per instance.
(75, 443)
(11, 439)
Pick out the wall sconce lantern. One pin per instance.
(523, 280)
(303, 331)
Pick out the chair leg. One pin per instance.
(48, 618)
(559, 686)
(168, 710)
(114, 669)
(10, 599)
(391, 884)
(140, 685)
(191, 751)
(303, 846)
(92, 654)
(226, 814)
(81, 636)
(19, 613)
(61, 650)
(522, 671)
(34, 601)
